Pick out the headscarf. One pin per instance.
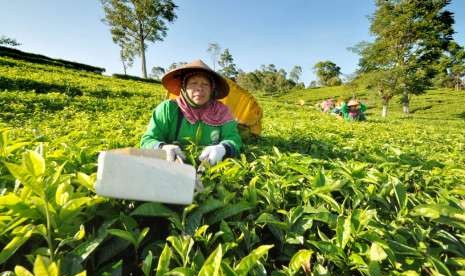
(212, 113)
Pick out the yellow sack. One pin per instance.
(245, 109)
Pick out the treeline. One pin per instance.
(270, 80)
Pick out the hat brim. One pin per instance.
(172, 80)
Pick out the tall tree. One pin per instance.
(139, 22)
(226, 62)
(295, 73)
(410, 36)
(214, 50)
(4, 40)
(328, 73)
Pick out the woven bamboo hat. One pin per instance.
(172, 80)
(352, 102)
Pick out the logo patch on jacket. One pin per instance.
(215, 136)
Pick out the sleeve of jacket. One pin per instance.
(363, 107)
(231, 139)
(158, 129)
(344, 108)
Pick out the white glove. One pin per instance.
(214, 154)
(173, 151)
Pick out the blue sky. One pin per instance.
(284, 33)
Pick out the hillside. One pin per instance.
(312, 193)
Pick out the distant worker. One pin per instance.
(196, 115)
(353, 111)
(337, 107)
(327, 106)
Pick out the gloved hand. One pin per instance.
(173, 151)
(213, 154)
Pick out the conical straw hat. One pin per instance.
(172, 80)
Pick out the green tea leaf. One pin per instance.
(9, 199)
(34, 163)
(374, 269)
(164, 261)
(63, 193)
(153, 209)
(194, 220)
(21, 271)
(147, 264)
(401, 194)
(180, 271)
(45, 267)
(80, 234)
(10, 149)
(266, 218)
(248, 262)
(85, 180)
(21, 174)
(377, 253)
(439, 266)
(300, 258)
(319, 180)
(228, 235)
(14, 245)
(125, 235)
(72, 207)
(227, 270)
(343, 230)
(229, 211)
(212, 265)
(141, 236)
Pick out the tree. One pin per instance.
(451, 67)
(328, 73)
(139, 21)
(226, 62)
(157, 72)
(313, 84)
(249, 81)
(385, 83)
(6, 41)
(268, 80)
(457, 64)
(127, 53)
(295, 73)
(214, 50)
(410, 36)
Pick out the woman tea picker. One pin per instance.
(196, 115)
(353, 111)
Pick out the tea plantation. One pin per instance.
(312, 196)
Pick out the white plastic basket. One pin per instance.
(144, 175)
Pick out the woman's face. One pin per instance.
(199, 89)
(353, 107)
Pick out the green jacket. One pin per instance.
(164, 121)
(359, 117)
